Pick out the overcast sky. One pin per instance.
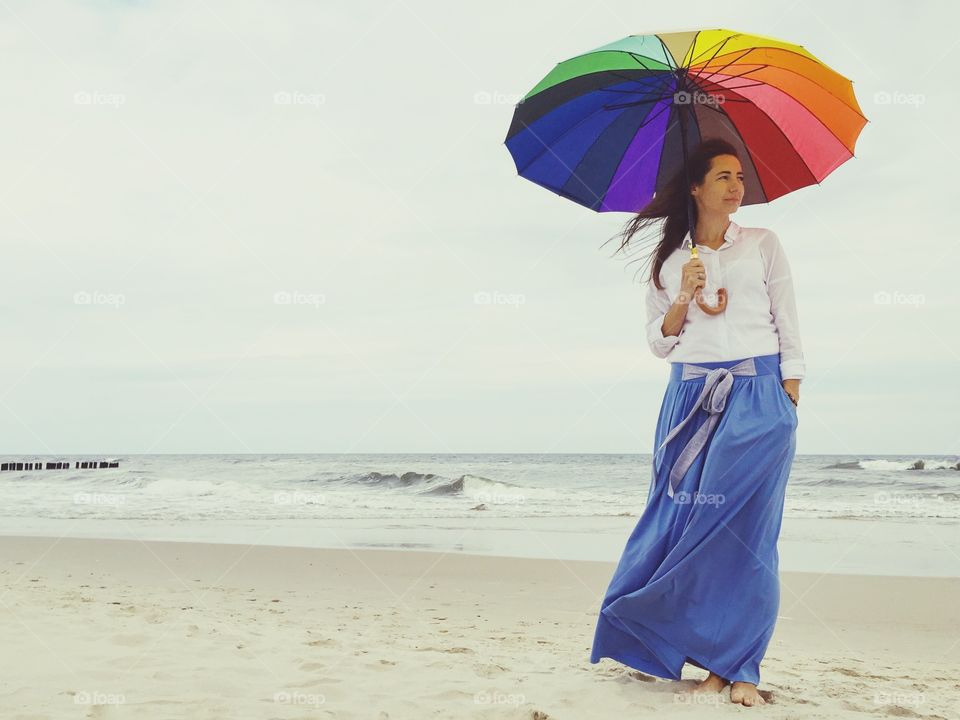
(263, 227)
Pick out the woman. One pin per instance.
(698, 580)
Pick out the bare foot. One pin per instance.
(713, 684)
(745, 693)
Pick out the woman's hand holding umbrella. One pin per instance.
(693, 280)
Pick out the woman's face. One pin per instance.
(722, 189)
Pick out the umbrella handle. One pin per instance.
(698, 296)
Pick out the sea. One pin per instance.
(877, 514)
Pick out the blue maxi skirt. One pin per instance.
(698, 579)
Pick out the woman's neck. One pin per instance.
(710, 231)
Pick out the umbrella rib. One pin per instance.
(776, 125)
(807, 77)
(573, 171)
(614, 183)
(719, 48)
(828, 128)
(735, 100)
(638, 58)
(597, 139)
(808, 110)
(666, 53)
(693, 73)
(699, 75)
(645, 101)
(556, 140)
(732, 126)
(647, 120)
(740, 87)
(661, 84)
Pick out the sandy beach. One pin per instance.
(114, 628)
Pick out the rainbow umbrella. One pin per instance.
(607, 129)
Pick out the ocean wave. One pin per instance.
(894, 465)
(377, 479)
(430, 484)
(845, 483)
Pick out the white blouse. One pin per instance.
(761, 315)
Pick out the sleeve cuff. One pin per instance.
(792, 370)
(661, 344)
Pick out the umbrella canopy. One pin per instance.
(609, 128)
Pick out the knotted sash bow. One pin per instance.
(713, 399)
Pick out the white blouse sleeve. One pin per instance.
(783, 306)
(658, 303)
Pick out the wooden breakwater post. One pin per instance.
(17, 466)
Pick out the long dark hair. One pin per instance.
(670, 206)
